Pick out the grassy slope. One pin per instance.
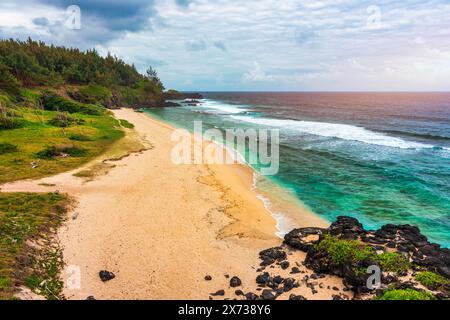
(28, 216)
(102, 131)
(25, 217)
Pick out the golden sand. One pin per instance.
(161, 228)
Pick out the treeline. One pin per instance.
(84, 75)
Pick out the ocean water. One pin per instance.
(379, 157)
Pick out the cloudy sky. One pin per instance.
(269, 45)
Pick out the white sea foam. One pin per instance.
(340, 131)
(283, 223)
(220, 107)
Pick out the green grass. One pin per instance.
(93, 94)
(29, 216)
(393, 262)
(352, 252)
(405, 294)
(52, 152)
(126, 124)
(38, 138)
(7, 148)
(56, 103)
(63, 120)
(431, 280)
(79, 137)
(344, 251)
(29, 98)
(10, 119)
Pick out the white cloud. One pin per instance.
(298, 44)
(256, 74)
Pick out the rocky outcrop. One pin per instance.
(303, 239)
(181, 96)
(347, 250)
(407, 265)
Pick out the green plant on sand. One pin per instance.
(353, 252)
(26, 217)
(431, 280)
(405, 294)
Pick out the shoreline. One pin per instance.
(159, 227)
(288, 213)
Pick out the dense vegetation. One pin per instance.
(53, 106)
(405, 294)
(84, 76)
(431, 280)
(352, 251)
(50, 142)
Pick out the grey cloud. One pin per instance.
(220, 45)
(195, 45)
(130, 15)
(41, 21)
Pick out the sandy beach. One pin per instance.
(161, 228)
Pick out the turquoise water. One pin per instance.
(382, 158)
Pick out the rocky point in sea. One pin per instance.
(410, 266)
(396, 262)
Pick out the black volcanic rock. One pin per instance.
(346, 228)
(288, 284)
(403, 239)
(271, 255)
(106, 275)
(239, 293)
(296, 297)
(235, 282)
(297, 238)
(284, 265)
(263, 278)
(268, 295)
(295, 270)
(171, 104)
(181, 96)
(218, 293)
(251, 296)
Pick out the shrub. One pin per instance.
(431, 280)
(79, 137)
(93, 94)
(8, 82)
(393, 262)
(353, 252)
(344, 251)
(7, 148)
(126, 124)
(30, 98)
(57, 151)
(62, 119)
(56, 103)
(406, 294)
(5, 100)
(9, 119)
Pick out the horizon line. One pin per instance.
(312, 91)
